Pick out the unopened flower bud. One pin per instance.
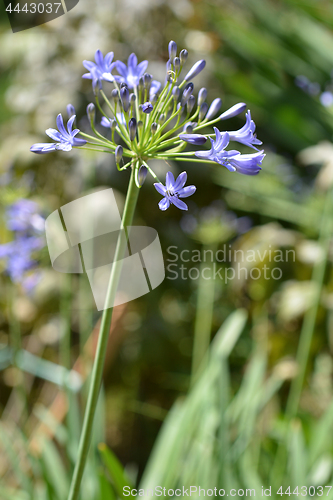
(202, 95)
(124, 96)
(203, 110)
(70, 110)
(91, 112)
(195, 70)
(132, 99)
(233, 111)
(188, 128)
(118, 154)
(172, 50)
(190, 103)
(196, 139)
(113, 124)
(161, 118)
(139, 125)
(176, 93)
(140, 86)
(96, 85)
(115, 96)
(142, 174)
(153, 128)
(176, 63)
(183, 56)
(147, 78)
(214, 108)
(153, 99)
(132, 128)
(147, 107)
(186, 93)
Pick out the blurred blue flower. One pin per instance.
(173, 190)
(106, 122)
(154, 88)
(326, 99)
(131, 73)
(248, 164)
(65, 138)
(24, 220)
(101, 70)
(23, 216)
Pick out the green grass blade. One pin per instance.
(115, 469)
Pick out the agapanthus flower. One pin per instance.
(65, 138)
(149, 120)
(26, 224)
(100, 70)
(249, 164)
(173, 190)
(23, 217)
(246, 135)
(154, 88)
(131, 73)
(106, 122)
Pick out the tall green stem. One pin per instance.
(97, 371)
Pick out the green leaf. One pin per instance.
(54, 471)
(115, 469)
(106, 490)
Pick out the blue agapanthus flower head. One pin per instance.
(101, 69)
(173, 190)
(131, 73)
(150, 120)
(65, 139)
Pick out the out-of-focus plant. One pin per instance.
(26, 224)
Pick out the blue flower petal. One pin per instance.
(178, 203)
(164, 204)
(160, 188)
(186, 191)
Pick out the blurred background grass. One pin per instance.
(254, 50)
